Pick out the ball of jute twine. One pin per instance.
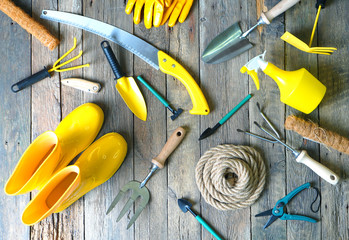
(230, 177)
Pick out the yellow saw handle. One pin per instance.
(170, 66)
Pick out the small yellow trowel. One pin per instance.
(126, 86)
(294, 41)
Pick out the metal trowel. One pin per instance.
(232, 42)
(126, 86)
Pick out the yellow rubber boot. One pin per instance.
(96, 165)
(52, 151)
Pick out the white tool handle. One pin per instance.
(277, 10)
(318, 168)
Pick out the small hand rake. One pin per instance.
(138, 189)
(296, 42)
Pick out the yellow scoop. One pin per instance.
(294, 41)
(126, 86)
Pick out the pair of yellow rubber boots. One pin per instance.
(43, 165)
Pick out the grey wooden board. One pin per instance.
(27, 114)
(15, 119)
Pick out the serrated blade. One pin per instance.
(137, 46)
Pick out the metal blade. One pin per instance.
(125, 209)
(226, 45)
(115, 201)
(265, 213)
(135, 216)
(270, 221)
(209, 131)
(126, 40)
(184, 205)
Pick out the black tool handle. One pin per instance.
(320, 2)
(114, 64)
(30, 80)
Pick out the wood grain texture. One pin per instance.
(25, 115)
(298, 174)
(71, 99)
(46, 107)
(15, 115)
(269, 99)
(184, 47)
(225, 87)
(118, 118)
(334, 73)
(152, 223)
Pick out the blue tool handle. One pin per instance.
(153, 91)
(289, 196)
(203, 223)
(226, 117)
(297, 217)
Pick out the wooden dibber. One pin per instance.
(312, 131)
(29, 24)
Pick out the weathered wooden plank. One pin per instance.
(46, 111)
(299, 21)
(225, 87)
(333, 72)
(118, 118)
(14, 119)
(184, 46)
(269, 99)
(71, 220)
(150, 137)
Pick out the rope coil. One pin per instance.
(230, 177)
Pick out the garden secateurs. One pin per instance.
(278, 211)
(301, 155)
(138, 189)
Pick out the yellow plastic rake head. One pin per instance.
(294, 41)
(56, 67)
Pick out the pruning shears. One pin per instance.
(278, 212)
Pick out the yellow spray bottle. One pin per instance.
(298, 89)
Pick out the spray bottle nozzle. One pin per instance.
(252, 67)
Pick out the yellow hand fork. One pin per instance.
(294, 41)
(46, 73)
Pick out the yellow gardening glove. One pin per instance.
(152, 8)
(138, 8)
(178, 8)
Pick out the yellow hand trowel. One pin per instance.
(126, 86)
(294, 41)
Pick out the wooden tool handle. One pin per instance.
(171, 144)
(81, 84)
(277, 10)
(29, 24)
